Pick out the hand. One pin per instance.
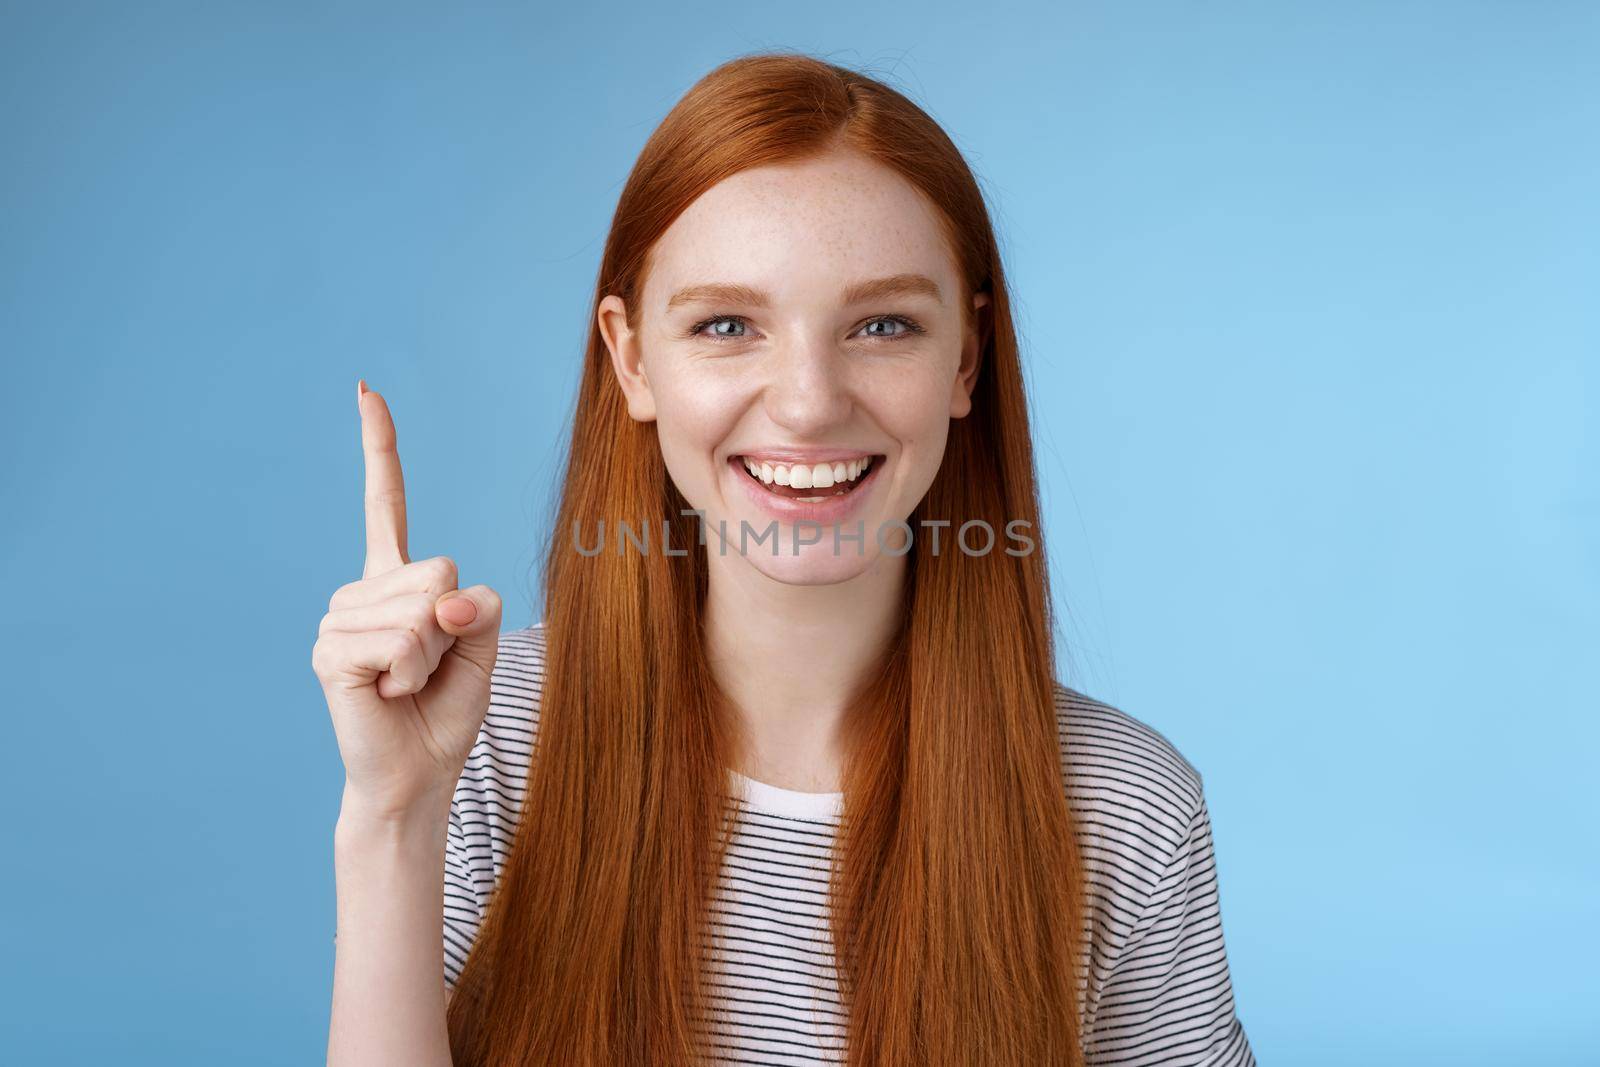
(404, 657)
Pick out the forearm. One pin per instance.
(388, 976)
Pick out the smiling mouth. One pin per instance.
(809, 482)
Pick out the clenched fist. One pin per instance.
(403, 655)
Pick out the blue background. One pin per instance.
(1309, 298)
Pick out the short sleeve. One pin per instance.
(1168, 997)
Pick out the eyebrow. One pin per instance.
(860, 292)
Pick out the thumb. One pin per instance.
(472, 617)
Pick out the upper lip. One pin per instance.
(806, 455)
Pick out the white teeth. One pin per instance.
(802, 476)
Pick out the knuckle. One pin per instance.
(406, 644)
(319, 658)
(419, 616)
(442, 571)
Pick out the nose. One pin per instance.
(807, 388)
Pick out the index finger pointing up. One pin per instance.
(386, 489)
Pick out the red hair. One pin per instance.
(957, 901)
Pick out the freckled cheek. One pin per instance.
(911, 408)
(694, 417)
(914, 410)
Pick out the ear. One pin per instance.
(627, 358)
(971, 359)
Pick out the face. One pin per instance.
(801, 349)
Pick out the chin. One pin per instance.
(815, 564)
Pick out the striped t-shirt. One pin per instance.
(1158, 991)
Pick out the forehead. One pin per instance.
(802, 228)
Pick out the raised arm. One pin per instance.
(404, 658)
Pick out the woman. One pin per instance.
(784, 775)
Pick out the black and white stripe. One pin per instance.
(1158, 990)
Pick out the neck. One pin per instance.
(790, 658)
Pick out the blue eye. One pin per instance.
(732, 320)
(908, 328)
(903, 323)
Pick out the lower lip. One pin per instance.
(827, 511)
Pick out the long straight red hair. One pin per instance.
(957, 892)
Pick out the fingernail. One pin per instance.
(458, 610)
(361, 389)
